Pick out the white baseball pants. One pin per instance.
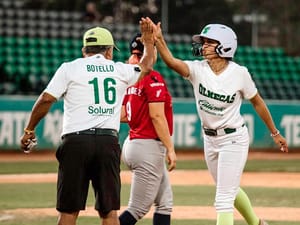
(226, 156)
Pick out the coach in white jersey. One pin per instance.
(92, 88)
(219, 86)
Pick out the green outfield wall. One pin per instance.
(15, 111)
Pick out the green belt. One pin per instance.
(212, 132)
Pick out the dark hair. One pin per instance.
(136, 44)
(96, 48)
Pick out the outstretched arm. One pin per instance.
(147, 60)
(174, 63)
(264, 113)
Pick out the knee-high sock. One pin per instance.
(243, 205)
(127, 219)
(225, 218)
(161, 219)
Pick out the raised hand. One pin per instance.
(146, 30)
(156, 29)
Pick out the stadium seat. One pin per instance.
(36, 42)
(8, 88)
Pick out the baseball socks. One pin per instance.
(225, 218)
(243, 205)
(161, 219)
(127, 219)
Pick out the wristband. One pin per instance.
(275, 134)
(28, 131)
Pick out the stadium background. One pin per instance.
(37, 36)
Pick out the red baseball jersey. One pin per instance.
(152, 88)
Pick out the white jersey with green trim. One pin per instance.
(219, 97)
(93, 89)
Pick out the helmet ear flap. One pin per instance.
(219, 49)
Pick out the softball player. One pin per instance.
(219, 86)
(93, 88)
(147, 108)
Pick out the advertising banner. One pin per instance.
(15, 111)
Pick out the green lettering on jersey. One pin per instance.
(100, 111)
(108, 86)
(100, 69)
(210, 94)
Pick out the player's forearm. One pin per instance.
(164, 52)
(161, 127)
(39, 110)
(176, 64)
(264, 113)
(147, 60)
(123, 118)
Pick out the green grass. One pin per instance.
(34, 195)
(288, 165)
(28, 167)
(291, 165)
(43, 195)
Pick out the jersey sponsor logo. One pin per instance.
(100, 111)
(210, 108)
(158, 92)
(157, 84)
(102, 68)
(210, 94)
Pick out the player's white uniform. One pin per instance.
(86, 103)
(218, 100)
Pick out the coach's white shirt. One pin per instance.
(93, 89)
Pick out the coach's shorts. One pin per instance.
(83, 158)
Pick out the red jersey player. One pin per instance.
(147, 107)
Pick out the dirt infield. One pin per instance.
(177, 177)
(179, 212)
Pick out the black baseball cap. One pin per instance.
(136, 45)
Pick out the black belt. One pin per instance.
(95, 131)
(212, 132)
